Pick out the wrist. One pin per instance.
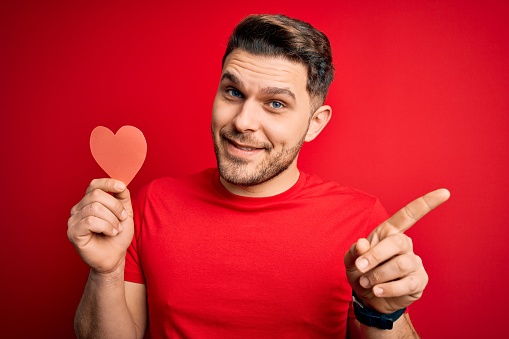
(373, 318)
(110, 277)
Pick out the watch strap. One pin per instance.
(374, 318)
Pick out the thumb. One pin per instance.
(359, 248)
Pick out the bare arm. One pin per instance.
(111, 308)
(101, 228)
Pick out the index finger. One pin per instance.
(411, 213)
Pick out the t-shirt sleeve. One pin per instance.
(378, 215)
(133, 267)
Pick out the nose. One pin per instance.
(247, 118)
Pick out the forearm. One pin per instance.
(103, 311)
(403, 328)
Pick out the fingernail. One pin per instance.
(120, 186)
(378, 291)
(120, 227)
(115, 231)
(123, 215)
(361, 264)
(364, 282)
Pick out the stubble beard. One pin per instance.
(236, 170)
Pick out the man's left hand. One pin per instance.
(383, 269)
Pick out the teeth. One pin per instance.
(244, 148)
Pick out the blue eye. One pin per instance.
(276, 104)
(234, 93)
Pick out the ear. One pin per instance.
(318, 122)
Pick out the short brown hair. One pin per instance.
(293, 39)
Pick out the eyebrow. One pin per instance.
(231, 77)
(278, 90)
(267, 90)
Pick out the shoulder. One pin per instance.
(175, 186)
(316, 187)
(347, 205)
(189, 180)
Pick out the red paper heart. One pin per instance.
(120, 155)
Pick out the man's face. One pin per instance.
(260, 117)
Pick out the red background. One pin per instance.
(420, 101)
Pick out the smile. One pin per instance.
(241, 150)
(244, 147)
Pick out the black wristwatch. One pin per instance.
(373, 318)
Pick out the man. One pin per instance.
(252, 249)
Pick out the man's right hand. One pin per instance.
(101, 225)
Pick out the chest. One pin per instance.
(249, 269)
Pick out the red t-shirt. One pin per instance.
(217, 265)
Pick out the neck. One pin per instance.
(279, 184)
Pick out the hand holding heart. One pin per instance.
(101, 225)
(383, 269)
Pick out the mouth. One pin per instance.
(247, 148)
(239, 150)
